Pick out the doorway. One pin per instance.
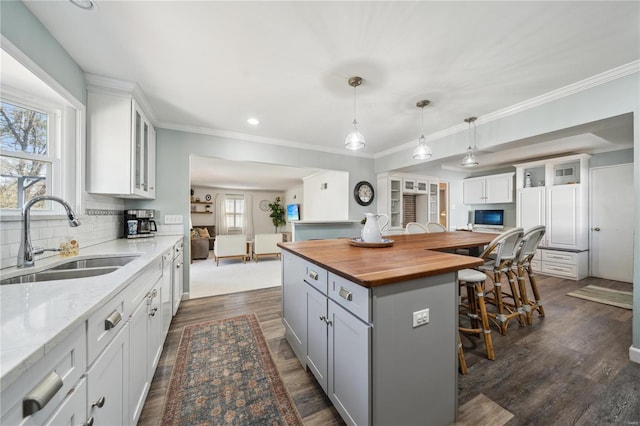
(611, 220)
(443, 202)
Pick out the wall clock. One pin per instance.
(264, 205)
(363, 193)
(207, 197)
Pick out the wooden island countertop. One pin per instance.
(411, 256)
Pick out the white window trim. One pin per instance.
(235, 197)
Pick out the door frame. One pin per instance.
(591, 187)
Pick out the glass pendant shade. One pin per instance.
(354, 140)
(422, 151)
(469, 159)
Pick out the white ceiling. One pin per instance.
(210, 65)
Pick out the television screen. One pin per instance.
(489, 218)
(293, 212)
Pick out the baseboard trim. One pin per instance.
(634, 354)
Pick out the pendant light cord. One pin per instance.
(354, 104)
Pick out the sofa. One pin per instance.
(202, 240)
(266, 245)
(230, 246)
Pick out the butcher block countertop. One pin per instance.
(412, 256)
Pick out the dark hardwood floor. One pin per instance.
(569, 368)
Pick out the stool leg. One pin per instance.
(461, 361)
(524, 297)
(517, 301)
(485, 321)
(536, 293)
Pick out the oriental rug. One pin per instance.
(224, 374)
(621, 299)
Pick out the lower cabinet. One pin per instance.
(294, 315)
(108, 383)
(177, 275)
(73, 409)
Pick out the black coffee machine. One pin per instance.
(139, 224)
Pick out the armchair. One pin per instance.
(266, 245)
(230, 246)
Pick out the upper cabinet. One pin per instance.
(491, 189)
(121, 145)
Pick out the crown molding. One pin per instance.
(124, 87)
(571, 89)
(257, 139)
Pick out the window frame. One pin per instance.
(235, 198)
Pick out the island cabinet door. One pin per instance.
(294, 314)
(349, 365)
(317, 335)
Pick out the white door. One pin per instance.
(611, 235)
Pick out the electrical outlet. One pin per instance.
(420, 318)
(172, 219)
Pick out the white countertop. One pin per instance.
(34, 317)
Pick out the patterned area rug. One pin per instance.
(224, 374)
(621, 299)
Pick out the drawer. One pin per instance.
(351, 296)
(315, 275)
(73, 409)
(55, 375)
(105, 323)
(141, 284)
(561, 269)
(558, 256)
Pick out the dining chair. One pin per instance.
(415, 228)
(522, 266)
(435, 227)
(499, 257)
(475, 309)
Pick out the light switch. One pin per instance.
(172, 219)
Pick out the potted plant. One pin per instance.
(277, 213)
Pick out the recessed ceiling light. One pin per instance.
(253, 121)
(83, 4)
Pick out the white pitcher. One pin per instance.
(371, 230)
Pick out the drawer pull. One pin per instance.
(313, 275)
(41, 394)
(112, 320)
(153, 312)
(89, 422)
(345, 294)
(99, 403)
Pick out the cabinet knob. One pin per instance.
(99, 403)
(323, 318)
(89, 422)
(595, 229)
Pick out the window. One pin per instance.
(26, 160)
(234, 208)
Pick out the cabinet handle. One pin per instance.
(41, 394)
(313, 275)
(323, 318)
(99, 403)
(153, 312)
(595, 229)
(112, 320)
(89, 422)
(345, 294)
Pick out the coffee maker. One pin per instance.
(139, 223)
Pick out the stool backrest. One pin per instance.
(435, 227)
(530, 242)
(505, 246)
(415, 228)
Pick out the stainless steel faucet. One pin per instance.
(26, 251)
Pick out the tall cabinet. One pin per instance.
(392, 190)
(554, 193)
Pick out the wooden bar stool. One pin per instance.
(522, 266)
(499, 258)
(476, 310)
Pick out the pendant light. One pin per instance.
(470, 159)
(422, 151)
(354, 140)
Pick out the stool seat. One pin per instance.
(471, 276)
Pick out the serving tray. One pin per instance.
(357, 242)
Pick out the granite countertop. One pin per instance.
(34, 317)
(412, 256)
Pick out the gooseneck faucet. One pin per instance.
(26, 252)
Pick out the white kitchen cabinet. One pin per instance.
(73, 409)
(390, 200)
(531, 208)
(177, 275)
(167, 290)
(409, 186)
(317, 362)
(108, 383)
(422, 186)
(493, 189)
(120, 145)
(434, 202)
(564, 228)
(138, 359)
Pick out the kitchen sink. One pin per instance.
(79, 268)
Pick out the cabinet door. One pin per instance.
(409, 185)
(151, 163)
(349, 365)
(531, 207)
(317, 335)
(156, 335)
(395, 204)
(137, 155)
(177, 281)
(294, 293)
(138, 361)
(108, 383)
(434, 202)
(499, 189)
(562, 216)
(473, 191)
(73, 410)
(422, 187)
